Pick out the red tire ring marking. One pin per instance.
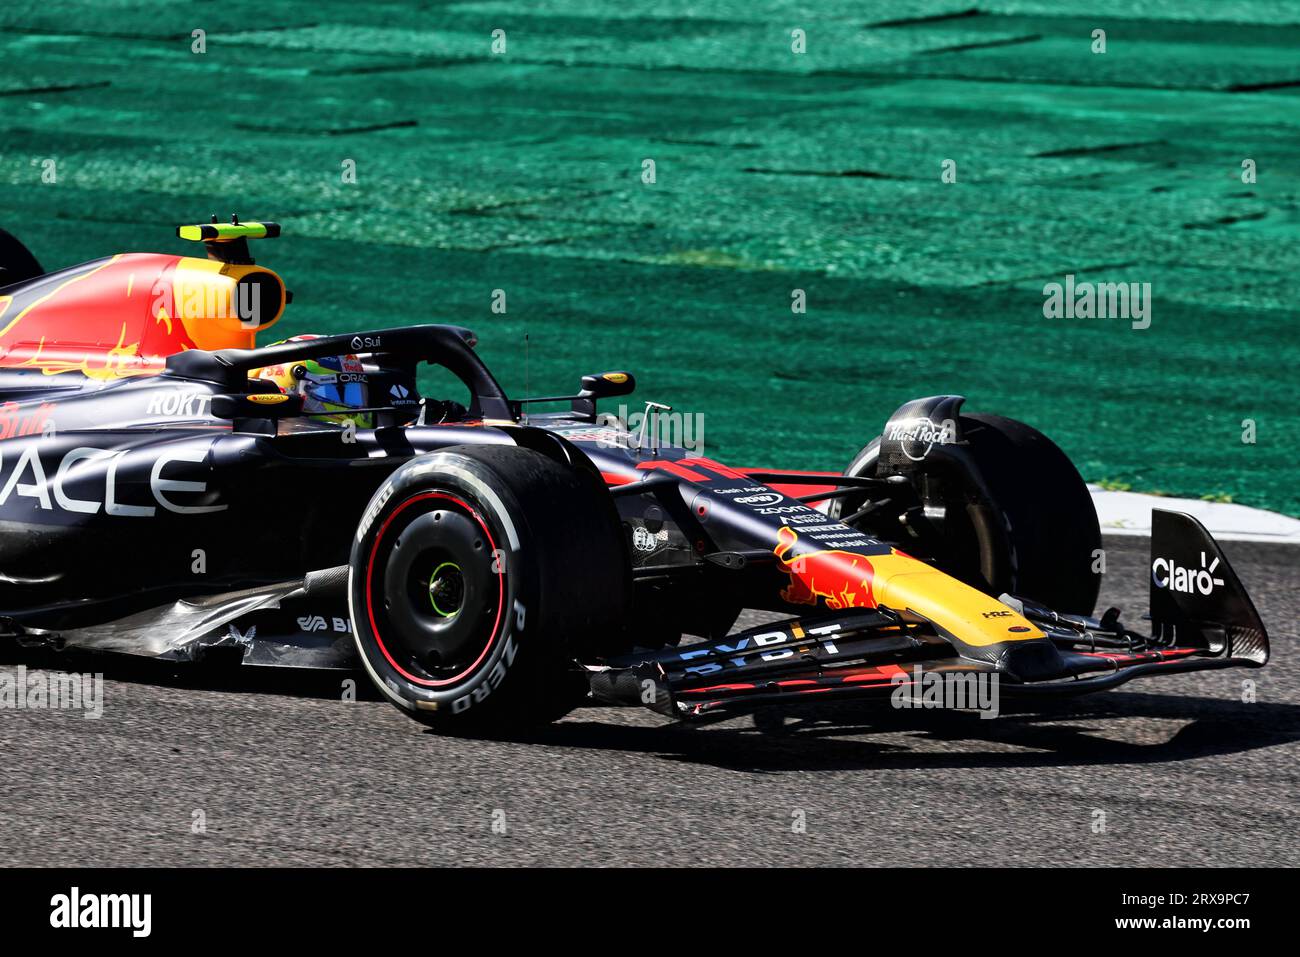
(370, 609)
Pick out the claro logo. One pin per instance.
(29, 478)
(1167, 573)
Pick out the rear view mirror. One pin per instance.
(602, 385)
(257, 405)
(606, 384)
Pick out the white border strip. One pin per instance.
(1129, 513)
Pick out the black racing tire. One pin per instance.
(1044, 541)
(478, 575)
(16, 261)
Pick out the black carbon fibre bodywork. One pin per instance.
(193, 514)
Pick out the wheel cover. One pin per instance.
(435, 589)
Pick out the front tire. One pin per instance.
(478, 575)
(1024, 524)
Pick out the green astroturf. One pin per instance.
(775, 171)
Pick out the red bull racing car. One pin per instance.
(168, 490)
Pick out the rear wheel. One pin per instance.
(478, 575)
(16, 261)
(1024, 523)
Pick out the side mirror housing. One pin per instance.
(257, 405)
(602, 385)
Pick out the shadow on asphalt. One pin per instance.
(213, 675)
(1062, 733)
(1052, 735)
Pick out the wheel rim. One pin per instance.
(435, 589)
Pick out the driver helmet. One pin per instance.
(331, 387)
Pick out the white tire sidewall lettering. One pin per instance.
(463, 695)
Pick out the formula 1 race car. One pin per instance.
(167, 490)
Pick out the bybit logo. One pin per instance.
(1167, 573)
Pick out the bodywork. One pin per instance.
(155, 501)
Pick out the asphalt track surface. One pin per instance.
(1183, 770)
